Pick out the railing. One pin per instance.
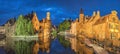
(24, 38)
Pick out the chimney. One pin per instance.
(98, 13)
(94, 13)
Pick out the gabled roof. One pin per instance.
(11, 21)
(102, 20)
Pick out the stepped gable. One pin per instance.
(101, 20)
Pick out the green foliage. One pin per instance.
(23, 47)
(54, 33)
(64, 42)
(24, 26)
(65, 25)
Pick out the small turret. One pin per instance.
(48, 16)
(114, 12)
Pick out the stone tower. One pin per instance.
(48, 16)
(81, 16)
(35, 22)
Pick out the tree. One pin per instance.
(54, 33)
(65, 25)
(24, 26)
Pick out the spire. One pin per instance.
(34, 13)
(35, 16)
(81, 16)
(81, 11)
(48, 16)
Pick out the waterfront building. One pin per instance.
(96, 26)
(43, 27)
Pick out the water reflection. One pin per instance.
(2, 51)
(78, 45)
(57, 48)
(59, 45)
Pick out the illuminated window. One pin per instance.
(117, 27)
(110, 26)
(112, 36)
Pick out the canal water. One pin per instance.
(2, 51)
(57, 48)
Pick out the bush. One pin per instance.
(23, 26)
(54, 33)
(65, 25)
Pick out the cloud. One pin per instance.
(49, 9)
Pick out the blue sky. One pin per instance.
(60, 9)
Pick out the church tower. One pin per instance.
(81, 16)
(48, 16)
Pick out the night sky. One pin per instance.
(60, 9)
